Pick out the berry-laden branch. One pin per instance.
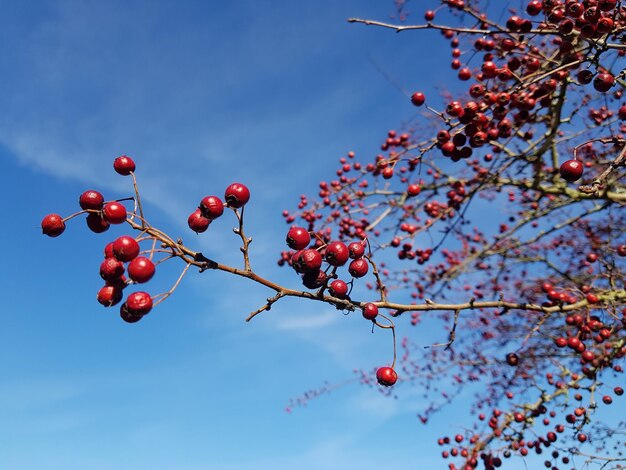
(495, 216)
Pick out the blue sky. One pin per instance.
(201, 94)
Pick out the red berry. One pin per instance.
(418, 98)
(141, 269)
(386, 376)
(338, 288)
(125, 248)
(109, 295)
(236, 195)
(52, 225)
(114, 213)
(127, 316)
(358, 267)
(211, 207)
(585, 76)
(512, 359)
(429, 15)
(413, 190)
(307, 261)
(197, 222)
(356, 250)
(108, 250)
(314, 279)
(370, 311)
(619, 391)
(607, 399)
(124, 165)
(582, 437)
(111, 269)
(96, 223)
(337, 253)
(571, 170)
(603, 82)
(91, 200)
(298, 238)
(139, 303)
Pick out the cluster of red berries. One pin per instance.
(210, 208)
(125, 249)
(308, 261)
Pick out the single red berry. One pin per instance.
(127, 316)
(603, 82)
(91, 200)
(370, 311)
(619, 391)
(337, 253)
(560, 342)
(111, 269)
(358, 267)
(298, 238)
(314, 279)
(582, 437)
(621, 250)
(512, 359)
(96, 223)
(592, 298)
(108, 250)
(338, 288)
(114, 213)
(356, 250)
(211, 207)
(418, 98)
(588, 356)
(386, 376)
(413, 190)
(141, 269)
(607, 399)
(125, 248)
(585, 76)
(124, 165)
(197, 222)
(52, 225)
(307, 261)
(139, 303)
(236, 195)
(109, 295)
(571, 170)
(429, 15)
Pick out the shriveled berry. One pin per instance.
(125, 248)
(114, 213)
(237, 195)
(197, 222)
(386, 376)
(298, 238)
(124, 165)
(52, 225)
(211, 207)
(91, 200)
(141, 269)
